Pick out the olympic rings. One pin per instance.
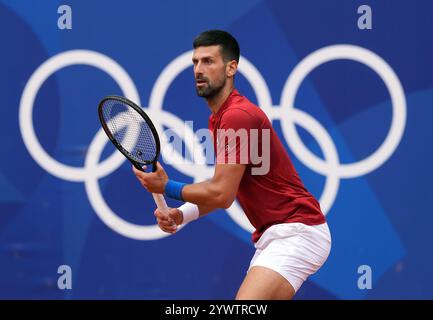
(289, 116)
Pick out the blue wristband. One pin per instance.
(173, 189)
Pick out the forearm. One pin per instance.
(208, 195)
(204, 210)
(217, 192)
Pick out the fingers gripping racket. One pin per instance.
(132, 132)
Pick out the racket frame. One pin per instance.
(157, 197)
(146, 118)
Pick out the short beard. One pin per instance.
(210, 91)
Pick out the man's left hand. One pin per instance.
(153, 181)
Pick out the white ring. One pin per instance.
(391, 81)
(31, 89)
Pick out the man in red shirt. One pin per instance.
(292, 238)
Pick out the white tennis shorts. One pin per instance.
(294, 250)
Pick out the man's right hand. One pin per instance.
(169, 222)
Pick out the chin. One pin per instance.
(202, 93)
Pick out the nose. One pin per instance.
(198, 69)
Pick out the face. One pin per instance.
(210, 71)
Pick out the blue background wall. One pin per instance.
(381, 218)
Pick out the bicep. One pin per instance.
(228, 177)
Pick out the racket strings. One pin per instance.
(130, 130)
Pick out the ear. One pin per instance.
(231, 68)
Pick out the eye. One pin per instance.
(208, 61)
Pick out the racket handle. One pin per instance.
(160, 202)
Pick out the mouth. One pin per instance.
(200, 82)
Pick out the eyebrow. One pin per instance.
(201, 58)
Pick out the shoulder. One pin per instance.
(237, 117)
(236, 111)
(239, 108)
(243, 113)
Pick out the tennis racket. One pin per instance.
(132, 132)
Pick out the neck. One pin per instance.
(217, 101)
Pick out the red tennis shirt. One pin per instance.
(270, 191)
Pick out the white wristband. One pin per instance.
(190, 212)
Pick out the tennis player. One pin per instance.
(291, 236)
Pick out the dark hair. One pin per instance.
(229, 46)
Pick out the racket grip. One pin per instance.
(160, 202)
